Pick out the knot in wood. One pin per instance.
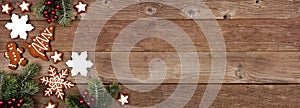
(191, 11)
(150, 10)
(238, 73)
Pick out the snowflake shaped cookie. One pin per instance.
(19, 26)
(56, 82)
(79, 63)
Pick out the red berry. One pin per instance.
(92, 99)
(49, 20)
(21, 100)
(1, 102)
(85, 92)
(9, 102)
(57, 6)
(45, 12)
(12, 107)
(49, 2)
(55, 17)
(45, 3)
(81, 101)
(19, 105)
(46, 16)
(53, 12)
(13, 99)
(88, 104)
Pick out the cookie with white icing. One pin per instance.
(57, 56)
(41, 44)
(14, 53)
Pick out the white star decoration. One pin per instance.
(51, 105)
(57, 56)
(81, 7)
(123, 100)
(19, 26)
(25, 6)
(79, 63)
(6, 8)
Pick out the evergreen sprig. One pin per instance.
(114, 89)
(2, 79)
(97, 90)
(103, 97)
(39, 8)
(73, 102)
(20, 86)
(65, 12)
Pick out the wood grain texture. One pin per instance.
(234, 96)
(262, 43)
(242, 67)
(242, 9)
(239, 36)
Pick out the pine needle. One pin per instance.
(38, 9)
(65, 13)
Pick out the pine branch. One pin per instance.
(114, 89)
(20, 86)
(28, 73)
(97, 90)
(28, 102)
(2, 78)
(9, 88)
(73, 102)
(39, 8)
(29, 88)
(65, 13)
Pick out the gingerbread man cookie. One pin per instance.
(41, 44)
(14, 53)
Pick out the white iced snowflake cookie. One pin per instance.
(56, 82)
(79, 63)
(19, 27)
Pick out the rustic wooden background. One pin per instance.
(263, 59)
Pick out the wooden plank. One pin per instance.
(231, 9)
(239, 36)
(242, 9)
(242, 67)
(235, 96)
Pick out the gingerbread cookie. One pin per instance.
(57, 56)
(14, 53)
(41, 44)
